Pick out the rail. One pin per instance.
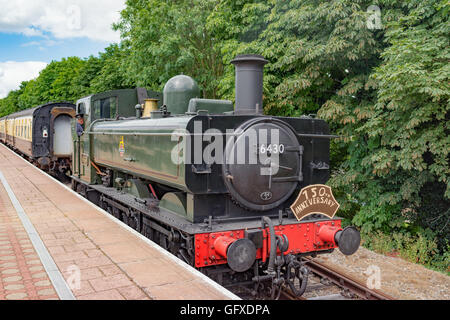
(346, 282)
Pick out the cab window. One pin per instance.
(81, 108)
(105, 108)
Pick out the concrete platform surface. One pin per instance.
(84, 253)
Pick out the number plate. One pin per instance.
(272, 148)
(315, 199)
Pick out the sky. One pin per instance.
(35, 32)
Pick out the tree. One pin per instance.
(166, 38)
(10, 104)
(384, 91)
(112, 73)
(81, 81)
(54, 83)
(408, 133)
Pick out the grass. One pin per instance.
(416, 249)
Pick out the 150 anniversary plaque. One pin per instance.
(315, 199)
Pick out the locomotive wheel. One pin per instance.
(135, 221)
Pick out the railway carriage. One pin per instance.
(174, 174)
(42, 134)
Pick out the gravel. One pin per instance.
(397, 277)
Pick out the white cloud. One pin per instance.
(45, 42)
(62, 18)
(12, 74)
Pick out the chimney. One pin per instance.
(249, 84)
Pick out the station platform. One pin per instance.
(54, 244)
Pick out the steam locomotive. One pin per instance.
(211, 182)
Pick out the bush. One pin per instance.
(421, 248)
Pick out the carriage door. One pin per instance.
(62, 137)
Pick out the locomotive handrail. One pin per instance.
(181, 134)
(322, 136)
(325, 136)
(137, 133)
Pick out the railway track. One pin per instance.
(350, 288)
(325, 283)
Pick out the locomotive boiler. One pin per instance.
(211, 182)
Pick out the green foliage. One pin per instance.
(421, 248)
(10, 103)
(166, 38)
(112, 72)
(398, 167)
(82, 80)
